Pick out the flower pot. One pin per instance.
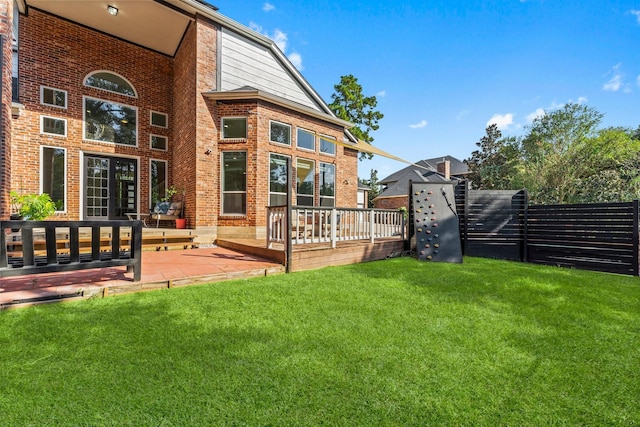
(181, 223)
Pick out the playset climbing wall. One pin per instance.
(435, 222)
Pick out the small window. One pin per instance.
(327, 146)
(234, 128)
(110, 82)
(53, 126)
(159, 119)
(53, 97)
(53, 175)
(305, 182)
(306, 140)
(280, 133)
(159, 142)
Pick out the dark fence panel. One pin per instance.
(600, 237)
(492, 222)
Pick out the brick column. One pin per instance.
(6, 22)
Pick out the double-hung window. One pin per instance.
(157, 181)
(234, 182)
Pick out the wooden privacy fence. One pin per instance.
(501, 224)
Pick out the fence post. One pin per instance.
(372, 226)
(334, 226)
(525, 230)
(636, 235)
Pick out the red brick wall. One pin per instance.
(6, 15)
(391, 202)
(60, 54)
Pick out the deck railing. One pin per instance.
(332, 225)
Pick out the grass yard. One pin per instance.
(395, 342)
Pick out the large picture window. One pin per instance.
(277, 180)
(280, 133)
(110, 122)
(305, 180)
(53, 175)
(234, 183)
(327, 177)
(234, 128)
(306, 140)
(157, 181)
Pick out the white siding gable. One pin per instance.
(246, 63)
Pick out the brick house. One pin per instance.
(108, 103)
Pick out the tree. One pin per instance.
(350, 104)
(492, 166)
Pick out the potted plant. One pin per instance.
(34, 207)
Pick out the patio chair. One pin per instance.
(167, 211)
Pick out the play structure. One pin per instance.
(434, 222)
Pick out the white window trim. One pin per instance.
(84, 83)
(42, 132)
(269, 175)
(166, 116)
(246, 130)
(276, 142)
(328, 139)
(42, 147)
(166, 139)
(314, 140)
(84, 121)
(66, 97)
(313, 193)
(223, 192)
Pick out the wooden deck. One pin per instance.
(318, 255)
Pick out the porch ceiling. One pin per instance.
(153, 24)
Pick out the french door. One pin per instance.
(110, 187)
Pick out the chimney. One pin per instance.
(444, 168)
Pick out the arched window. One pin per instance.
(111, 82)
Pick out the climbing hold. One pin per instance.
(433, 218)
(435, 252)
(436, 235)
(422, 252)
(436, 245)
(419, 229)
(418, 210)
(430, 192)
(422, 240)
(428, 231)
(417, 194)
(427, 199)
(434, 225)
(427, 245)
(430, 206)
(429, 239)
(429, 257)
(433, 212)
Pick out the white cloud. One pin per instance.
(502, 120)
(536, 114)
(615, 83)
(296, 60)
(419, 125)
(281, 39)
(381, 94)
(462, 114)
(582, 100)
(637, 14)
(638, 80)
(268, 7)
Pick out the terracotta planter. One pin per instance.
(181, 223)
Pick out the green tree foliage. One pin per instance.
(562, 158)
(374, 187)
(350, 104)
(492, 165)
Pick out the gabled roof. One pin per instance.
(401, 187)
(458, 169)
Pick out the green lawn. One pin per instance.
(395, 342)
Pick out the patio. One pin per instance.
(162, 269)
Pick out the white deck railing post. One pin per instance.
(372, 225)
(334, 226)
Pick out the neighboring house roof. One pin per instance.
(458, 168)
(399, 183)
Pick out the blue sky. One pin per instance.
(443, 70)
